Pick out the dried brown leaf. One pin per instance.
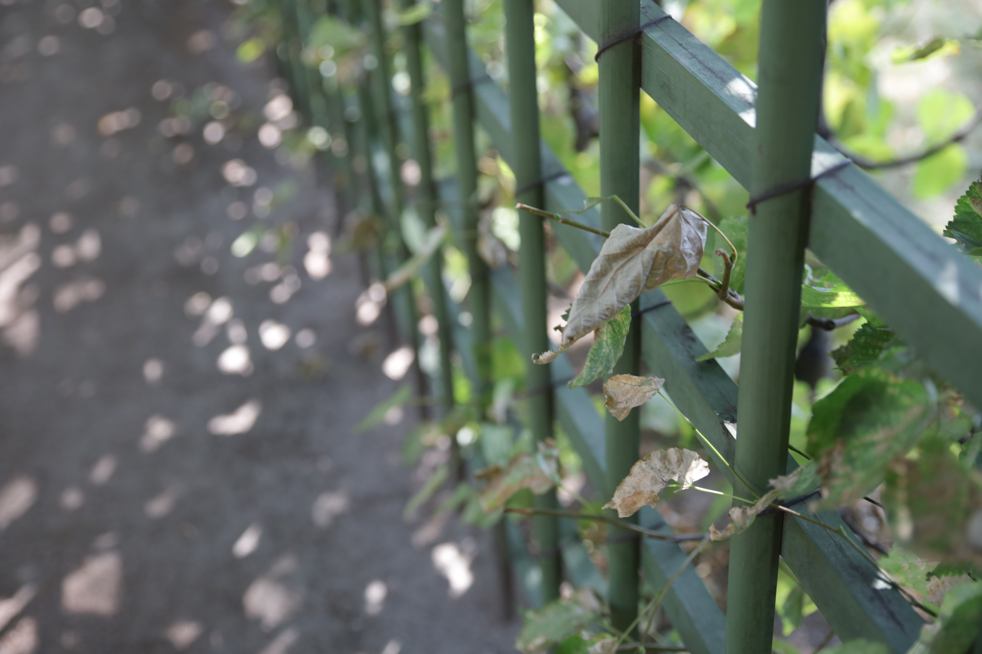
(632, 261)
(624, 392)
(652, 474)
(741, 517)
(523, 471)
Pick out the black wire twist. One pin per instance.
(630, 35)
(796, 186)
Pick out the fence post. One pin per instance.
(792, 50)
(479, 295)
(527, 165)
(386, 118)
(620, 163)
(427, 199)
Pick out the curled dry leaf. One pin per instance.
(741, 517)
(602, 645)
(652, 474)
(632, 261)
(532, 471)
(411, 267)
(624, 392)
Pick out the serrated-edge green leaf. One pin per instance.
(607, 348)
(731, 344)
(966, 225)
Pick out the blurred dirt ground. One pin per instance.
(177, 466)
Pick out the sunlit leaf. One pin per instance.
(377, 414)
(731, 344)
(869, 420)
(941, 112)
(828, 292)
(536, 472)
(624, 392)
(937, 173)
(653, 474)
(966, 226)
(411, 267)
(250, 50)
(557, 621)
(632, 261)
(957, 624)
(608, 345)
(934, 48)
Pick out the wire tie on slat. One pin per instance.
(463, 86)
(797, 186)
(630, 35)
(542, 181)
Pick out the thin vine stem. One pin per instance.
(661, 593)
(649, 533)
(560, 219)
(711, 447)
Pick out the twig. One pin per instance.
(724, 288)
(732, 297)
(869, 164)
(633, 647)
(825, 641)
(656, 604)
(560, 219)
(650, 533)
(828, 324)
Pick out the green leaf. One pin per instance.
(250, 50)
(934, 48)
(957, 625)
(908, 569)
(557, 621)
(573, 645)
(414, 14)
(937, 173)
(377, 414)
(941, 113)
(966, 226)
(731, 344)
(429, 489)
(735, 228)
(869, 420)
(338, 34)
(934, 505)
(827, 292)
(865, 348)
(608, 345)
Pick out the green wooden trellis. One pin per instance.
(847, 220)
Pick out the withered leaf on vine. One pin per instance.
(624, 392)
(535, 472)
(633, 260)
(654, 473)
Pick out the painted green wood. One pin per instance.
(387, 122)
(852, 214)
(691, 608)
(478, 297)
(523, 98)
(792, 51)
(427, 200)
(705, 394)
(618, 100)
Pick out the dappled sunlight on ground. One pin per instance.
(186, 351)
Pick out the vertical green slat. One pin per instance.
(479, 297)
(619, 105)
(527, 165)
(386, 119)
(427, 201)
(790, 64)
